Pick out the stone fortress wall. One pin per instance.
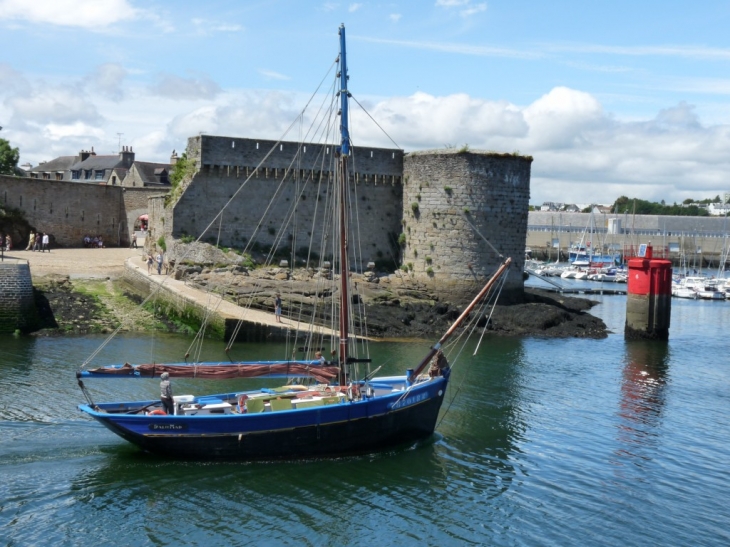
(438, 201)
(461, 211)
(71, 210)
(225, 163)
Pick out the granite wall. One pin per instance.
(71, 210)
(462, 212)
(17, 301)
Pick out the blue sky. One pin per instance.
(610, 98)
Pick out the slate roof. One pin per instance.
(98, 162)
(61, 163)
(150, 172)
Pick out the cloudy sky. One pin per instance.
(610, 98)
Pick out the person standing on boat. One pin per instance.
(319, 357)
(166, 393)
(277, 308)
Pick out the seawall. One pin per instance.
(17, 301)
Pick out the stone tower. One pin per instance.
(462, 210)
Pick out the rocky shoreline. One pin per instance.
(396, 306)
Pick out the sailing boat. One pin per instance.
(324, 409)
(586, 254)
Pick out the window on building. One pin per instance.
(75, 175)
(114, 180)
(87, 174)
(59, 176)
(46, 176)
(99, 175)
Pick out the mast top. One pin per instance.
(344, 95)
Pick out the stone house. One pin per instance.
(115, 170)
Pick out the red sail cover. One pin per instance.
(322, 374)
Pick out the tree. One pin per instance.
(8, 158)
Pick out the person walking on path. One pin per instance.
(277, 308)
(133, 244)
(31, 242)
(37, 243)
(149, 264)
(160, 258)
(45, 242)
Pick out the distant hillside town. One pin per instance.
(716, 207)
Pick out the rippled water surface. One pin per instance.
(542, 442)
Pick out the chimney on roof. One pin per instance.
(126, 156)
(92, 151)
(84, 154)
(173, 158)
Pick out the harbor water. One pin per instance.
(541, 442)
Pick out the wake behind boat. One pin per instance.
(323, 408)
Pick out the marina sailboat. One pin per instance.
(586, 254)
(318, 408)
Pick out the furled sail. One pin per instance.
(260, 369)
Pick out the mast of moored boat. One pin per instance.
(342, 213)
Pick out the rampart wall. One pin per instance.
(228, 166)
(71, 210)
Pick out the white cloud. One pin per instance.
(581, 152)
(354, 7)
(395, 17)
(57, 132)
(207, 26)
(468, 10)
(462, 49)
(52, 105)
(108, 79)
(271, 75)
(74, 13)
(685, 51)
(176, 87)
(473, 9)
(12, 81)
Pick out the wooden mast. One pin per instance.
(344, 152)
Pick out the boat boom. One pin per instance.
(426, 360)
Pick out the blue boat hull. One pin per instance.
(334, 430)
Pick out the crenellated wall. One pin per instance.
(289, 172)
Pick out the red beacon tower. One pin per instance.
(649, 298)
